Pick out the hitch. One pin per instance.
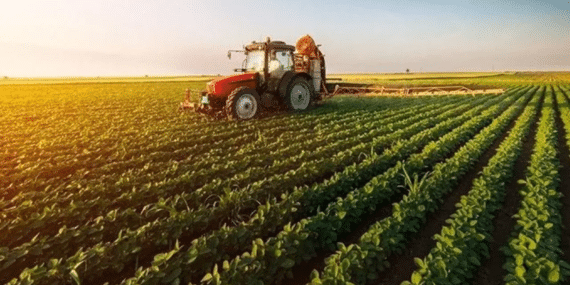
(186, 104)
(199, 107)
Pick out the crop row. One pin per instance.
(362, 261)
(271, 261)
(257, 154)
(85, 208)
(533, 251)
(154, 147)
(101, 127)
(302, 202)
(461, 245)
(147, 164)
(564, 108)
(159, 230)
(161, 141)
(138, 138)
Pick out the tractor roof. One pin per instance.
(272, 45)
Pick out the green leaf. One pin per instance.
(419, 262)
(288, 263)
(226, 265)
(207, 278)
(345, 264)
(416, 278)
(442, 268)
(474, 260)
(554, 275)
(75, 276)
(519, 259)
(173, 275)
(548, 225)
(531, 244)
(314, 275)
(519, 271)
(277, 252)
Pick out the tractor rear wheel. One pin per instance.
(243, 104)
(299, 94)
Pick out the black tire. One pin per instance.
(243, 104)
(299, 95)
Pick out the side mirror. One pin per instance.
(229, 54)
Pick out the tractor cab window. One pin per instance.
(255, 61)
(280, 61)
(285, 59)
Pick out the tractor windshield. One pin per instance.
(255, 61)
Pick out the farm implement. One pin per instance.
(410, 91)
(275, 77)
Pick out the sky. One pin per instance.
(144, 37)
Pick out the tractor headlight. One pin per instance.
(205, 100)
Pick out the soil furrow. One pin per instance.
(564, 187)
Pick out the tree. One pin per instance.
(407, 70)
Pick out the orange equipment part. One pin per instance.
(306, 46)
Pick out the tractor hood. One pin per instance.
(224, 86)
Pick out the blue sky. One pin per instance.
(115, 38)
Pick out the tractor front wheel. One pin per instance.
(299, 94)
(243, 104)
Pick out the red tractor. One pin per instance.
(274, 76)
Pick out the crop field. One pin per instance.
(106, 182)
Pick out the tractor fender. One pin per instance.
(287, 78)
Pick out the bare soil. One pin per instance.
(564, 187)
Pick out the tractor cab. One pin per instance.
(271, 59)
